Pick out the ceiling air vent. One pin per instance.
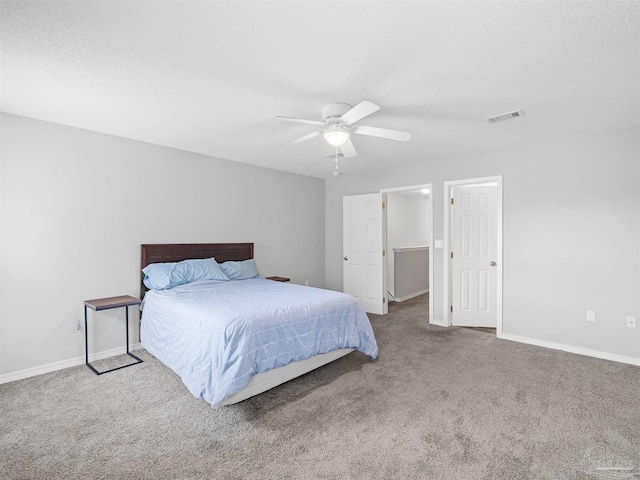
(505, 116)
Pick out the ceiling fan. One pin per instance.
(339, 119)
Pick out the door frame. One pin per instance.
(447, 248)
(384, 239)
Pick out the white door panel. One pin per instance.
(362, 246)
(474, 248)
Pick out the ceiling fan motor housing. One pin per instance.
(332, 112)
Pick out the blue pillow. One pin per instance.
(240, 270)
(159, 276)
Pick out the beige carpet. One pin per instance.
(437, 404)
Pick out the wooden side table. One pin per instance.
(279, 279)
(124, 301)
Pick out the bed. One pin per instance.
(231, 340)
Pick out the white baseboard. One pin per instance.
(438, 322)
(568, 348)
(72, 362)
(407, 297)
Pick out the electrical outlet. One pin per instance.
(591, 316)
(306, 282)
(631, 322)
(79, 326)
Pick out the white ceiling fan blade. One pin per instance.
(298, 120)
(302, 139)
(383, 133)
(347, 149)
(359, 111)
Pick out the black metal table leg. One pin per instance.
(86, 344)
(86, 341)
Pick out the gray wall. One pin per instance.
(411, 272)
(76, 205)
(571, 235)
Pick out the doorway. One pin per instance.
(473, 245)
(365, 246)
(408, 238)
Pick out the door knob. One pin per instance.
(345, 258)
(493, 264)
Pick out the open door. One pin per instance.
(363, 250)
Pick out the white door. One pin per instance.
(474, 262)
(363, 250)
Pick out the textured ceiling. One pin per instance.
(206, 76)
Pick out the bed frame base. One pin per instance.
(267, 380)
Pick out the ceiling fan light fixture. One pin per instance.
(336, 135)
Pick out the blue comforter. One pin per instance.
(217, 335)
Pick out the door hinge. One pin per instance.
(451, 308)
(383, 205)
(451, 200)
(384, 299)
(451, 254)
(384, 253)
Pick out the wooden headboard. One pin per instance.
(176, 252)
